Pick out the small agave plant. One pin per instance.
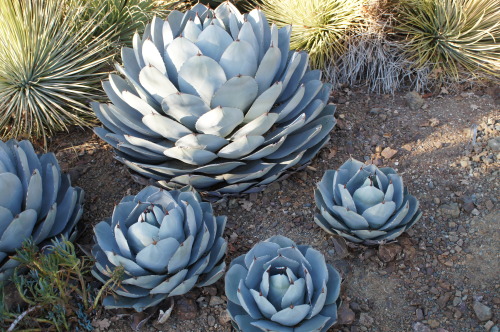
(36, 200)
(215, 99)
(167, 243)
(365, 204)
(280, 286)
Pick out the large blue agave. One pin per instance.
(365, 204)
(36, 200)
(280, 286)
(215, 99)
(167, 242)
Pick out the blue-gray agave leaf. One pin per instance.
(216, 100)
(36, 201)
(167, 241)
(365, 204)
(279, 286)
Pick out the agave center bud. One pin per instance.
(278, 286)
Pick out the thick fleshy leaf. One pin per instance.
(166, 127)
(259, 126)
(368, 234)
(265, 307)
(247, 301)
(292, 315)
(156, 83)
(315, 324)
(247, 34)
(152, 56)
(190, 155)
(238, 92)
(294, 294)
(176, 54)
(184, 108)
(141, 235)
(19, 229)
(12, 198)
(241, 147)
(367, 197)
(202, 141)
(264, 102)
(378, 215)
(202, 76)
(234, 275)
(184, 287)
(157, 255)
(219, 121)
(268, 68)
(213, 41)
(139, 305)
(351, 218)
(168, 285)
(181, 257)
(239, 59)
(172, 225)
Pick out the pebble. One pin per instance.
(345, 315)
(443, 299)
(489, 324)
(224, 317)
(483, 312)
(215, 300)
(414, 100)
(388, 153)
(387, 253)
(420, 314)
(365, 320)
(494, 144)
(451, 209)
(433, 323)
(420, 327)
(211, 320)
(475, 212)
(186, 308)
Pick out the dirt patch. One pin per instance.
(448, 260)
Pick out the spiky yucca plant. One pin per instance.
(49, 66)
(318, 26)
(451, 35)
(124, 17)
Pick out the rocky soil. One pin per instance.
(441, 276)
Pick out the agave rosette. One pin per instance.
(215, 99)
(167, 243)
(281, 286)
(36, 201)
(364, 203)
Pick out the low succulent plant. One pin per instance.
(365, 204)
(36, 200)
(280, 286)
(166, 242)
(215, 99)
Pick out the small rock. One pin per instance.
(365, 320)
(211, 320)
(388, 153)
(420, 314)
(215, 300)
(434, 122)
(414, 100)
(224, 317)
(186, 308)
(489, 324)
(433, 323)
(345, 315)
(483, 312)
(494, 143)
(475, 212)
(443, 299)
(211, 290)
(451, 209)
(420, 327)
(388, 252)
